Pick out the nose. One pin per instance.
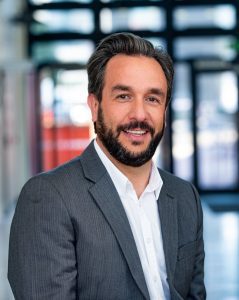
(138, 110)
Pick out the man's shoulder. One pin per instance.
(169, 177)
(68, 170)
(63, 170)
(176, 184)
(78, 171)
(58, 176)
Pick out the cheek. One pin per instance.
(159, 121)
(113, 118)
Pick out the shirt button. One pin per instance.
(148, 240)
(155, 279)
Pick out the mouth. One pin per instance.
(136, 132)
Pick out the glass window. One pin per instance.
(71, 94)
(182, 123)
(71, 51)
(108, 1)
(65, 115)
(39, 2)
(63, 20)
(217, 134)
(220, 16)
(198, 47)
(157, 42)
(131, 19)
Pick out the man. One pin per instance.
(109, 225)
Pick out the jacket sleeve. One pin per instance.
(197, 287)
(42, 260)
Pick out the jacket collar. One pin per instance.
(167, 206)
(107, 198)
(105, 195)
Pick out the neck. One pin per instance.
(138, 176)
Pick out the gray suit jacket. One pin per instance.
(71, 239)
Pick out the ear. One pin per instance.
(93, 104)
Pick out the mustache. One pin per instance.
(136, 124)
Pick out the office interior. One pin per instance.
(45, 121)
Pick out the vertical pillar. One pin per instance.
(14, 163)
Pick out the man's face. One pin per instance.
(131, 116)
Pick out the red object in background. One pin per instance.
(61, 144)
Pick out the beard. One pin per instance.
(110, 140)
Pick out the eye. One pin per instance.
(153, 99)
(123, 97)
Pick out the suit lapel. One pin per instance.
(107, 198)
(167, 206)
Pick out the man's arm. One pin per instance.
(42, 260)
(197, 287)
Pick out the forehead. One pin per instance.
(135, 70)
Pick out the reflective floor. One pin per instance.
(221, 232)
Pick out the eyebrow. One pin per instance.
(121, 87)
(157, 91)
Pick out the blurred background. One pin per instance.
(44, 119)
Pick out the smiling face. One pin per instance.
(130, 118)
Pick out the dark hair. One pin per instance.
(128, 44)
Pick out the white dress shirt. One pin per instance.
(144, 221)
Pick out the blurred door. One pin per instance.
(216, 130)
(205, 125)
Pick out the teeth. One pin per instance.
(137, 132)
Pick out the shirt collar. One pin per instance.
(119, 179)
(121, 182)
(155, 181)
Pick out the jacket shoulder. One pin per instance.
(169, 178)
(177, 186)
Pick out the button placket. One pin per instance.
(150, 252)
